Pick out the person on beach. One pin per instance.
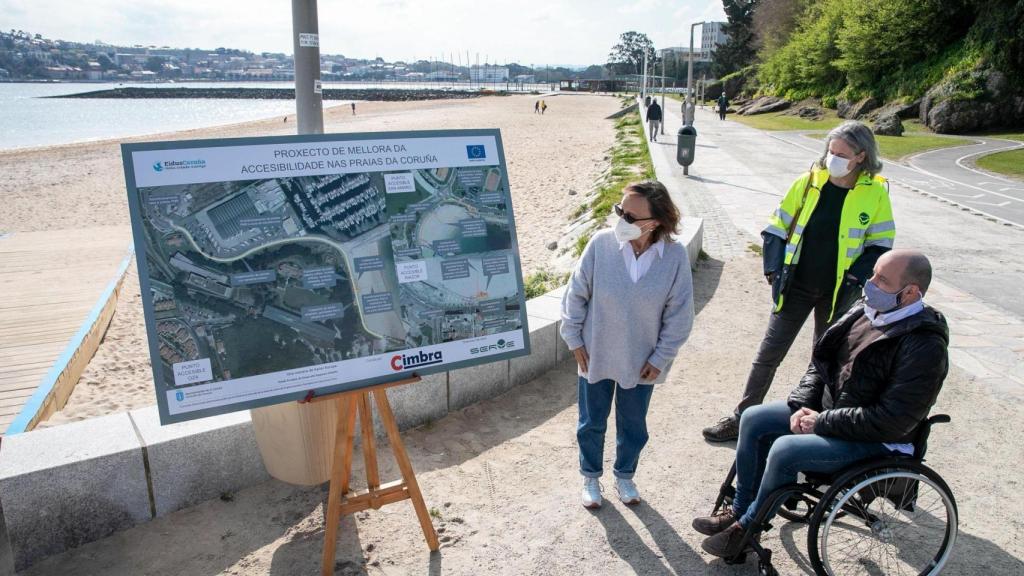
(627, 310)
(353, 108)
(654, 120)
(841, 208)
(873, 378)
(543, 107)
(723, 106)
(536, 107)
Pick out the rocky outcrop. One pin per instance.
(902, 110)
(854, 110)
(972, 100)
(808, 109)
(763, 105)
(888, 125)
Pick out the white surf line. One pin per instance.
(971, 209)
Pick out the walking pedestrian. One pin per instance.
(536, 107)
(820, 247)
(543, 107)
(723, 106)
(654, 120)
(353, 108)
(627, 310)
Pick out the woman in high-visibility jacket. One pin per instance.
(820, 246)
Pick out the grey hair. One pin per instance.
(859, 137)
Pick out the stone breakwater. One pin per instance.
(388, 95)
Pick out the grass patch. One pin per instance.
(755, 248)
(543, 281)
(630, 161)
(1010, 162)
(896, 147)
(774, 121)
(581, 243)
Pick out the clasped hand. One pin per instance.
(802, 421)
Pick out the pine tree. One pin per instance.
(739, 49)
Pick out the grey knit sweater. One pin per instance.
(622, 324)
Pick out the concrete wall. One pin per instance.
(65, 486)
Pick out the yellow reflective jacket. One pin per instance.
(866, 224)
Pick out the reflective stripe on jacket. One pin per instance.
(866, 222)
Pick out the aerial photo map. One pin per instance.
(261, 276)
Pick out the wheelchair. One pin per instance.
(880, 516)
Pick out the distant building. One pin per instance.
(711, 37)
(487, 73)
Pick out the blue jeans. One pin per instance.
(769, 456)
(595, 403)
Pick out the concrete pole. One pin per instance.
(688, 115)
(663, 94)
(643, 78)
(309, 102)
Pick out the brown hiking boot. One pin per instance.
(725, 430)
(728, 542)
(711, 525)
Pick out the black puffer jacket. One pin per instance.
(892, 385)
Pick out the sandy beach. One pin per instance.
(81, 185)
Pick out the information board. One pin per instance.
(272, 267)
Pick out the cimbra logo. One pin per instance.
(401, 362)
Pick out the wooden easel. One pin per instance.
(340, 501)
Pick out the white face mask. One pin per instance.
(838, 167)
(624, 231)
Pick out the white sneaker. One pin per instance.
(591, 493)
(627, 491)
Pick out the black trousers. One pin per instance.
(783, 327)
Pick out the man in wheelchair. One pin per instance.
(873, 377)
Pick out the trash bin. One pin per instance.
(686, 147)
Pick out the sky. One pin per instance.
(545, 32)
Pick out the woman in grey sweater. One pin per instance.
(627, 310)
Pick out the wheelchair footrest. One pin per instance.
(740, 558)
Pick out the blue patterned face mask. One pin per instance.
(881, 300)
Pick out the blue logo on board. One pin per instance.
(476, 152)
(159, 167)
(179, 395)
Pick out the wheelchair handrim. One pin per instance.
(951, 515)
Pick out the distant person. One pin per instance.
(875, 376)
(647, 101)
(723, 106)
(543, 107)
(536, 107)
(627, 310)
(286, 119)
(654, 120)
(689, 110)
(353, 108)
(820, 247)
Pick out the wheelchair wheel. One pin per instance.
(900, 518)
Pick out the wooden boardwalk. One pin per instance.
(57, 295)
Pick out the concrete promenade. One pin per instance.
(501, 479)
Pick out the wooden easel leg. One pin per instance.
(408, 476)
(339, 474)
(348, 404)
(369, 446)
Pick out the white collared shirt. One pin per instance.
(637, 267)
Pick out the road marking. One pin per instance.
(959, 161)
(1000, 205)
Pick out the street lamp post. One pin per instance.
(687, 113)
(662, 93)
(309, 102)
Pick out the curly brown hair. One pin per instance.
(663, 209)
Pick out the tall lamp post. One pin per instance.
(309, 102)
(663, 93)
(687, 113)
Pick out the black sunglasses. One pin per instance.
(629, 218)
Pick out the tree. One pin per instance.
(739, 49)
(774, 21)
(630, 50)
(154, 64)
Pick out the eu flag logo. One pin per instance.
(476, 152)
